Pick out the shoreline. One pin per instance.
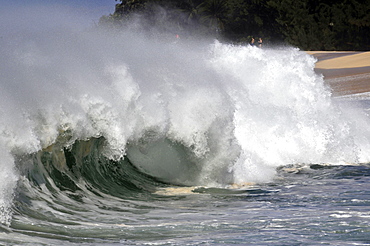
(346, 72)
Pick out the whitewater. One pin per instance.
(124, 137)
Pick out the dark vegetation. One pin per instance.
(307, 24)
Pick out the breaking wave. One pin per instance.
(121, 113)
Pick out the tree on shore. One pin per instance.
(325, 24)
(307, 24)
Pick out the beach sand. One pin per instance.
(345, 72)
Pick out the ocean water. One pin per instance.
(135, 138)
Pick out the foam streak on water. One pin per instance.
(191, 112)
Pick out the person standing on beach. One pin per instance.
(252, 42)
(260, 43)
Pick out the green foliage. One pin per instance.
(307, 24)
(325, 24)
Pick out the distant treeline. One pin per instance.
(307, 24)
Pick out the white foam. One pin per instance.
(8, 177)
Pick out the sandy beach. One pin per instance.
(346, 72)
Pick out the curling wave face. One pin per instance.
(78, 103)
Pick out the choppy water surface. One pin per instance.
(305, 204)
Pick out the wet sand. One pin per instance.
(345, 72)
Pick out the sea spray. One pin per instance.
(8, 177)
(284, 111)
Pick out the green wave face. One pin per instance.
(83, 166)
